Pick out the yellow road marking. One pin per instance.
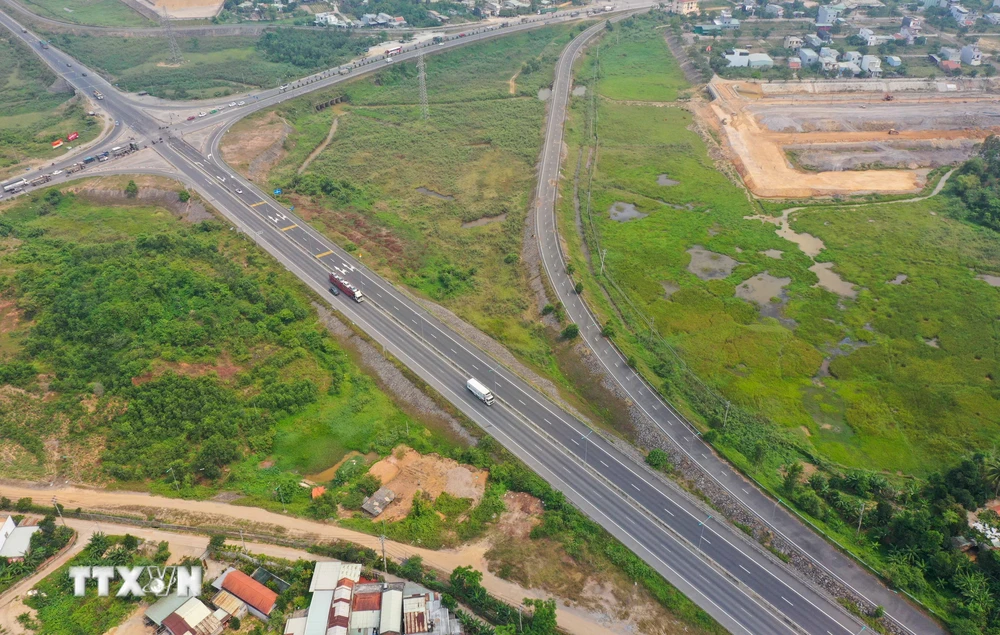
(257, 203)
(284, 229)
(325, 253)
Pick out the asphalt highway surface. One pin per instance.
(742, 586)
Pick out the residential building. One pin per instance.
(872, 65)
(707, 29)
(726, 20)
(992, 18)
(774, 11)
(681, 7)
(813, 40)
(949, 66)
(808, 56)
(794, 63)
(164, 607)
(871, 39)
(328, 18)
(14, 540)
(749, 6)
(829, 62)
(970, 55)
(827, 15)
(950, 54)
(761, 61)
(848, 68)
(229, 604)
(332, 586)
(851, 56)
(377, 502)
(259, 599)
(962, 16)
(737, 57)
(792, 42)
(192, 618)
(910, 29)
(893, 60)
(366, 609)
(826, 51)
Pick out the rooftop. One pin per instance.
(249, 590)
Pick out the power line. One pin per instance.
(422, 79)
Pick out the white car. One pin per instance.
(233, 104)
(239, 191)
(57, 173)
(202, 114)
(242, 103)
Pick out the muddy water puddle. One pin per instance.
(709, 265)
(772, 253)
(665, 181)
(809, 244)
(479, 222)
(623, 212)
(443, 197)
(831, 280)
(993, 281)
(763, 289)
(669, 288)
(900, 279)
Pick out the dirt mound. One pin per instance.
(405, 472)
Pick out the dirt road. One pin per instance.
(262, 521)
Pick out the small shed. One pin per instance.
(377, 502)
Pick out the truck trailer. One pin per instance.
(481, 392)
(14, 185)
(349, 289)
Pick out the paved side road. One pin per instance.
(680, 432)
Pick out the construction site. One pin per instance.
(803, 139)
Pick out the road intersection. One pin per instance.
(730, 577)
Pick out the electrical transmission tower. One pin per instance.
(175, 51)
(422, 78)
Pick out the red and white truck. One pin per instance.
(349, 289)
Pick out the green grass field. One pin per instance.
(220, 338)
(911, 366)
(31, 117)
(89, 12)
(638, 67)
(213, 66)
(478, 149)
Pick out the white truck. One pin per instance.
(481, 392)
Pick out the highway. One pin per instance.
(742, 586)
(656, 409)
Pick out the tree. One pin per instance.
(543, 622)
(578, 288)
(216, 542)
(23, 504)
(130, 542)
(184, 196)
(234, 623)
(792, 473)
(991, 472)
(131, 190)
(571, 331)
(659, 460)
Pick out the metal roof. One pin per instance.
(193, 611)
(295, 626)
(319, 613)
(250, 591)
(176, 625)
(328, 575)
(228, 602)
(17, 543)
(392, 610)
(159, 610)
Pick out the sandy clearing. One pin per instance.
(187, 8)
(406, 472)
(512, 83)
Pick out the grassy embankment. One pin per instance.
(31, 117)
(477, 148)
(89, 12)
(907, 386)
(213, 66)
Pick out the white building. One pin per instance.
(681, 7)
(792, 42)
(971, 55)
(808, 56)
(737, 57)
(14, 540)
(872, 65)
(851, 56)
(826, 51)
(870, 38)
(827, 15)
(774, 11)
(893, 61)
(761, 60)
(992, 18)
(328, 18)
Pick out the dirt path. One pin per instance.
(223, 514)
(320, 147)
(512, 83)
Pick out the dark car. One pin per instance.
(334, 290)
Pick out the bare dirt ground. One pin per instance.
(254, 148)
(759, 130)
(405, 472)
(571, 617)
(188, 9)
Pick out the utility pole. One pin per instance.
(604, 252)
(725, 420)
(281, 498)
(422, 80)
(243, 541)
(58, 511)
(381, 540)
(861, 516)
(172, 473)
